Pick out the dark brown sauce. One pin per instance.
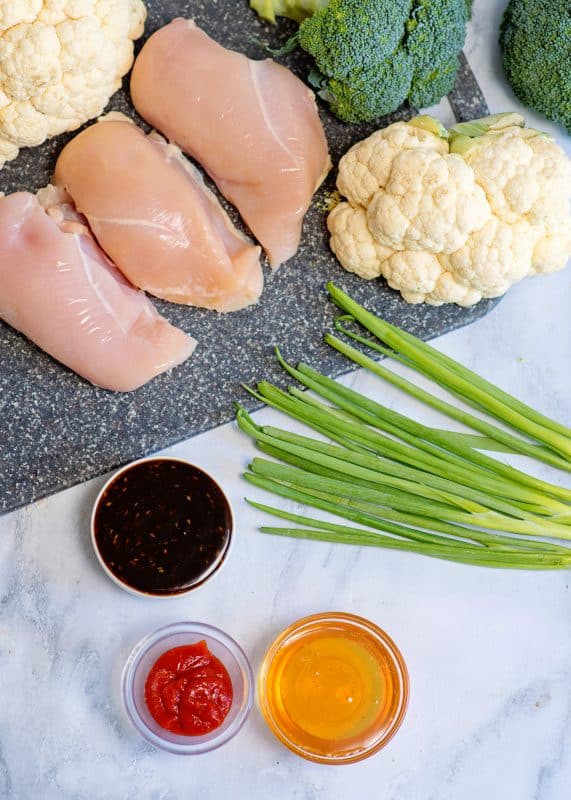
(162, 526)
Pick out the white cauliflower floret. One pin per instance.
(60, 62)
(352, 243)
(449, 290)
(366, 167)
(552, 249)
(423, 278)
(524, 174)
(431, 202)
(554, 178)
(413, 272)
(16, 12)
(454, 221)
(494, 257)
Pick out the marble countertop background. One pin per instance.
(489, 652)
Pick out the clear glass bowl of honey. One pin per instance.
(333, 688)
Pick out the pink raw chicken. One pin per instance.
(253, 126)
(60, 290)
(153, 215)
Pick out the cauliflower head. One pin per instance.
(60, 62)
(453, 216)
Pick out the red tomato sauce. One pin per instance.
(188, 690)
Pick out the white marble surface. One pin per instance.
(489, 652)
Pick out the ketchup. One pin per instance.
(188, 690)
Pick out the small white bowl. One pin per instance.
(213, 568)
(144, 656)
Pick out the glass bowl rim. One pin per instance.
(382, 638)
(162, 634)
(132, 589)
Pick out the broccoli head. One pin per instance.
(372, 55)
(535, 37)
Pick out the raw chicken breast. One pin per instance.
(251, 124)
(59, 289)
(155, 218)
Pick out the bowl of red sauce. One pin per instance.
(161, 527)
(187, 688)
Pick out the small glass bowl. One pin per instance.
(396, 684)
(200, 580)
(143, 657)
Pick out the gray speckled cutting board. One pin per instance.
(57, 430)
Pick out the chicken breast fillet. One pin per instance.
(153, 215)
(252, 125)
(59, 289)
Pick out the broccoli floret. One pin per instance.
(535, 37)
(352, 99)
(349, 35)
(428, 88)
(371, 55)
(436, 30)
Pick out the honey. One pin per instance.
(333, 688)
